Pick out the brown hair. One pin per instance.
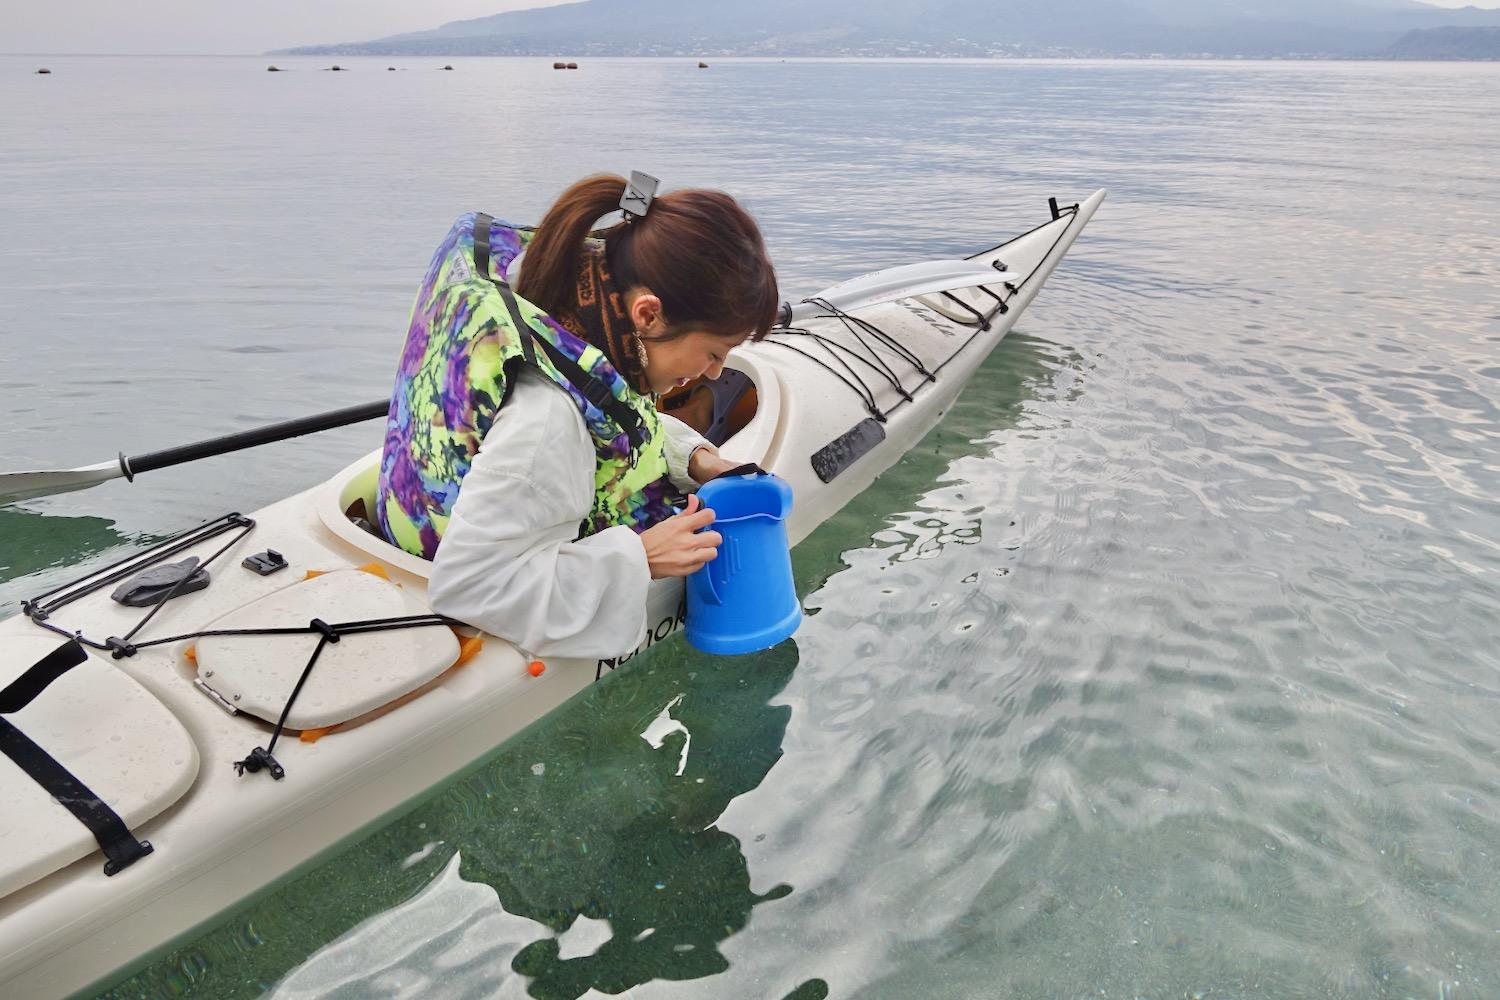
(696, 250)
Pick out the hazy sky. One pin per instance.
(216, 26)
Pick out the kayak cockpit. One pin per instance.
(738, 411)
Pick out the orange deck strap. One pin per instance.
(468, 648)
(314, 735)
(374, 569)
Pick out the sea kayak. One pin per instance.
(314, 631)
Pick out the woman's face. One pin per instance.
(675, 362)
(671, 363)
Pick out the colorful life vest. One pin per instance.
(469, 331)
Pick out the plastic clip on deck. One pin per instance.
(260, 759)
(1010, 286)
(265, 563)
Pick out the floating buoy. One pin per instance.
(44, 71)
(273, 69)
(559, 65)
(572, 65)
(536, 668)
(703, 65)
(449, 68)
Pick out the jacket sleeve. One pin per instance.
(681, 442)
(510, 562)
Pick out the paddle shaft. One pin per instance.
(136, 464)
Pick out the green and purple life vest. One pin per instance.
(468, 334)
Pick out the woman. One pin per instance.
(546, 517)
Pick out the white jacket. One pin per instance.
(510, 562)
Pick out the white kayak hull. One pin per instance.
(228, 836)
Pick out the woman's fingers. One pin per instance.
(697, 519)
(681, 544)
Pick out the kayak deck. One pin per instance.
(858, 390)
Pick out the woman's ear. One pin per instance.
(645, 313)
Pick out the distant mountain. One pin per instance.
(1448, 43)
(1224, 28)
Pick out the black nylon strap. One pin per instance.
(595, 391)
(18, 693)
(748, 469)
(482, 226)
(120, 846)
(527, 351)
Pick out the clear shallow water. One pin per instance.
(1165, 667)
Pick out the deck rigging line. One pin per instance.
(866, 335)
(41, 608)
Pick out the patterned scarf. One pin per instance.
(601, 318)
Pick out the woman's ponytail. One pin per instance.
(698, 251)
(549, 275)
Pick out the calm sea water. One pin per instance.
(1165, 667)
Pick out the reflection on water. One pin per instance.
(454, 927)
(32, 544)
(1020, 370)
(625, 834)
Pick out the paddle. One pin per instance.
(26, 485)
(857, 293)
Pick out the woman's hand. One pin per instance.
(676, 546)
(706, 463)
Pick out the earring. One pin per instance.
(640, 352)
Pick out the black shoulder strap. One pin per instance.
(595, 391)
(482, 227)
(120, 846)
